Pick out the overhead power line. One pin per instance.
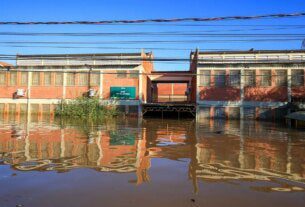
(153, 41)
(169, 33)
(191, 19)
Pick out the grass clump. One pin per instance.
(85, 108)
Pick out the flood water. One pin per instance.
(151, 162)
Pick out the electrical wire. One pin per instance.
(191, 19)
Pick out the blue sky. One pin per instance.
(94, 10)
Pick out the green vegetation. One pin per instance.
(85, 109)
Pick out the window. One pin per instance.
(35, 78)
(59, 79)
(249, 78)
(24, 78)
(95, 79)
(281, 78)
(46, 108)
(205, 78)
(2, 78)
(83, 79)
(265, 76)
(235, 78)
(134, 74)
(47, 78)
(121, 74)
(70, 79)
(297, 77)
(220, 78)
(13, 78)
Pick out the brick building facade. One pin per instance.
(248, 84)
(39, 82)
(231, 85)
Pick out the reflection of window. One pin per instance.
(83, 79)
(297, 77)
(281, 78)
(47, 78)
(234, 78)
(205, 78)
(24, 79)
(95, 79)
(59, 79)
(13, 78)
(2, 78)
(249, 78)
(35, 78)
(70, 79)
(220, 78)
(265, 77)
(134, 74)
(121, 74)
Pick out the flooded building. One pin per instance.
(248, 84)
(262, 84)
(39, 82)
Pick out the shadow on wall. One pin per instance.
(220, 94)
(266, 94)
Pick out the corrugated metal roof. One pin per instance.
(80, 54)
(250, 52)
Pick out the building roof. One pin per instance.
(80, 55)
(3, 65)
(82, 59)
(249, 52)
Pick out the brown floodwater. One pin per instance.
(150, 162)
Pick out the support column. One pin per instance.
(64, 84)
(29, 96)
(198, 76)
(140, 92)
(62, 143)
(242, 92)
(289, 84)
(101, 84)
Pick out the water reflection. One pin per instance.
(215, 150)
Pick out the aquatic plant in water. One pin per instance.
(85, 108)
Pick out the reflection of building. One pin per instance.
(52, 148)
(255, 154)
(216, 151)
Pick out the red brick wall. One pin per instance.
(166, 88)
(45, 92)
(113, 80)
(7, 91)
(266, 94)
(219, 94)
(298, 92)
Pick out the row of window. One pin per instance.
(264, 78)
(50, 78)
(56, 78)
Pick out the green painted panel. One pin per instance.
(123, 92)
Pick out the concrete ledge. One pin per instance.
(240, 104)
